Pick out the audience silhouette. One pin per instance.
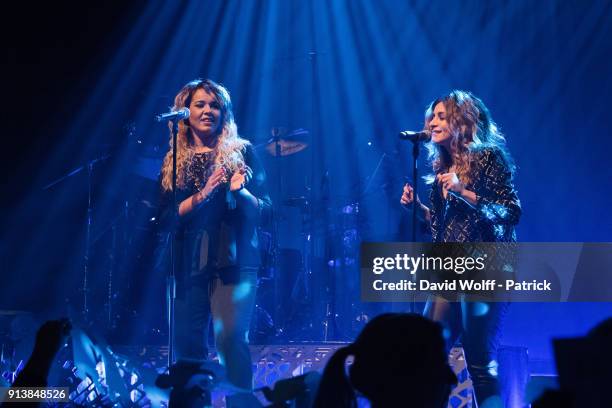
(400, 360)
(50, 338)
(584, 369)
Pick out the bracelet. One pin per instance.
(204, 198)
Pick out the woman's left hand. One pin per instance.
(451, 182)
(240, 178)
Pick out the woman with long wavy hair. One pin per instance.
(220, 197)
(473, 199)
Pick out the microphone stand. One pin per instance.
(416, 144)
(416, 138)
(171, 278)
(415, 158)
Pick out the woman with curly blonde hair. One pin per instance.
(229, 147)
(473, 199)
(220, 198)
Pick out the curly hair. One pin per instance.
(230, 148)
(472, 130)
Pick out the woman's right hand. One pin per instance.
(408, 196)
(217, 178)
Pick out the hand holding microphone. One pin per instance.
(408, 196)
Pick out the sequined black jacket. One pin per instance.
(219, 236)
(497, 211)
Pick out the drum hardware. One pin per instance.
(89, 165)
(283, 143)
(115, 230)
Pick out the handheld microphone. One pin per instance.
(178, 115)
(422, 136)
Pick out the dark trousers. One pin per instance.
(478, 326)
(230, 306)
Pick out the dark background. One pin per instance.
(52, 56)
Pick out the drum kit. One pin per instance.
(309, 288)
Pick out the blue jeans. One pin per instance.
(229, 303)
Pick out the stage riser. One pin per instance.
(274, 362)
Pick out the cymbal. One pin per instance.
(289, 142)
(287, 147)
(297, 134)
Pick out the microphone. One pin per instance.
(422, 136)
(178, 115)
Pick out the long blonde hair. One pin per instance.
(230, 148)
(472, 129)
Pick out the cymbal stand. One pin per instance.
(88, 225)
(276, 132)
